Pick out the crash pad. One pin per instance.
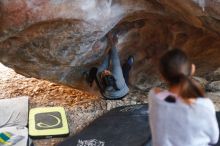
(14, 112)
(122, 126)
(13, 121)
(45, 122)
(218, 118)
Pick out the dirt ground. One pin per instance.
(40, 92)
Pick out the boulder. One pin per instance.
(213, 86)
(214, 76)
(58, 40)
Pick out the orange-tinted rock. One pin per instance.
(58, 40)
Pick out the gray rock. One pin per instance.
(216, 75)
(214, 86)
(145, 82)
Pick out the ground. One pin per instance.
(81, 107)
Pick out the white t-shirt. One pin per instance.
(180, 124)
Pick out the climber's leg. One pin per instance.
(126, 67)
(116, 68)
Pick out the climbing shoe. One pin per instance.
(91, 76)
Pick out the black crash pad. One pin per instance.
(123, 126)
(218, 118)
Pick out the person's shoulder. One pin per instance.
(207, 102)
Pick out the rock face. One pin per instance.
(57, 40)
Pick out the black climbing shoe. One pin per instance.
(91, 76)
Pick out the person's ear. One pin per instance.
(193, 69)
